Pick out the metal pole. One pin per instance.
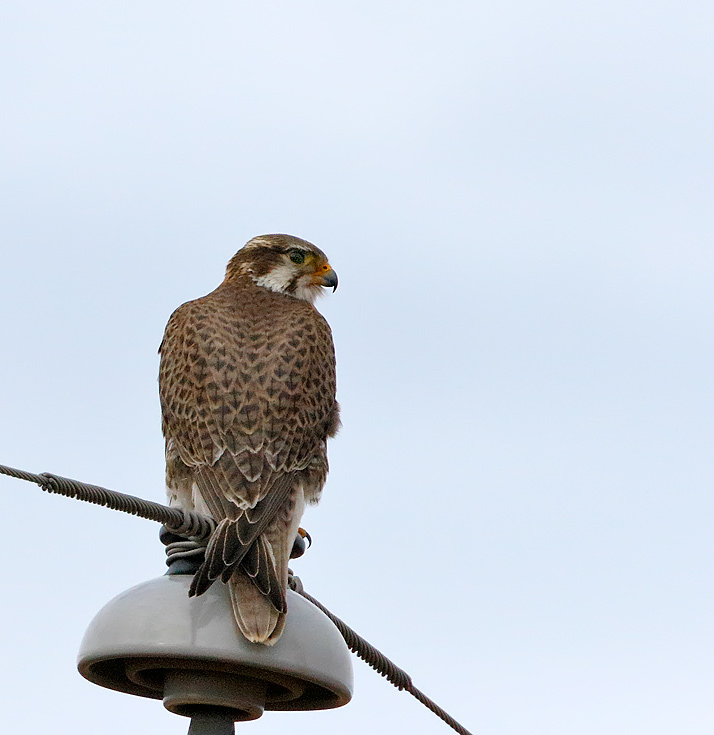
(212, 721)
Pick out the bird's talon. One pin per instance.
(302, 532)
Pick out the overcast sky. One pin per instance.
(517, 197)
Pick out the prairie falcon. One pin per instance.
(247, 388)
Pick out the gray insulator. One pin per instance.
(155, 641)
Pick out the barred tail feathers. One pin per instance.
(260, 613)
(255, 615)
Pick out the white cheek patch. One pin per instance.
(280, 278)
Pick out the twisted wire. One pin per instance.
(185, 550)
(180, 522)
(380, 663)
(199, 528)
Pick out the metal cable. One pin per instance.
(199, 528)
(182, 523)
(379, 662)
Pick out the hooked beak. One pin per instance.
(329, 278)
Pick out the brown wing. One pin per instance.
(247, 386)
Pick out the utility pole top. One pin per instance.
(154, 641)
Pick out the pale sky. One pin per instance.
(517, 197)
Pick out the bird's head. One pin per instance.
(285, 264)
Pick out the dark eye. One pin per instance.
(297, 256)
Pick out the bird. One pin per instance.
(247, 385)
